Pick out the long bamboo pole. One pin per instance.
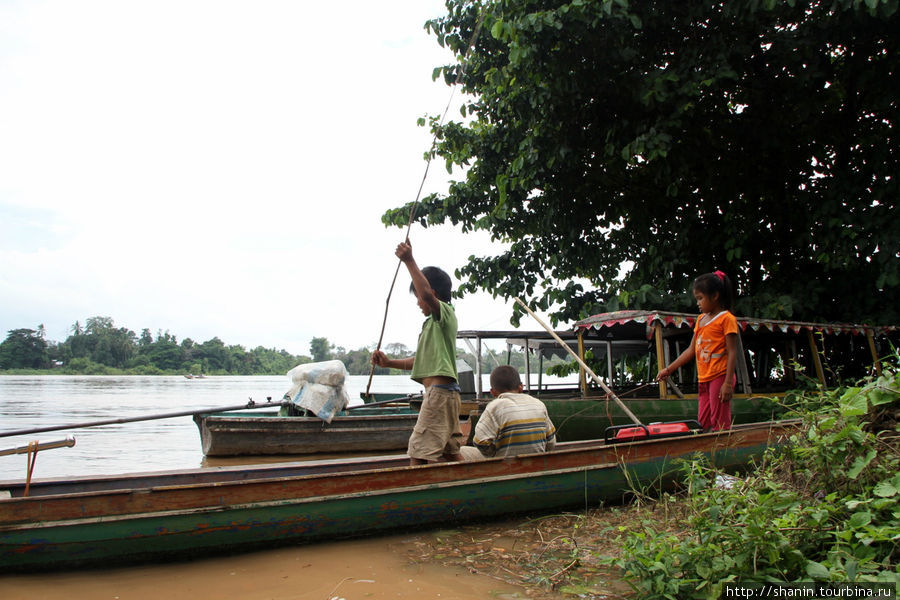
(412, 211)
(581, 362)
(184, 413)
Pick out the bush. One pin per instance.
(824, 507)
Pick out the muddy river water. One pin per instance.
(369, 569)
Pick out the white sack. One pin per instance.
(324, 401)
(329, 372)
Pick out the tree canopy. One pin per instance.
(617, 149)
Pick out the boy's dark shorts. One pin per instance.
(437, 431)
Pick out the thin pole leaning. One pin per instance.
(581, 362)
(184, 413)
(412, 212)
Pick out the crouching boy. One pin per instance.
(513, 423)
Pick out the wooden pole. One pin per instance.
(660, 359)
(582, 380)
(39, 446)
(870, 337)
(817, 360)
(184, 413)
(583, 364)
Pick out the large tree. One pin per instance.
(615, 149)
(24, 349)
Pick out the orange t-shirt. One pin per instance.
(712, 358)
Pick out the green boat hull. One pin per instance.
(408, 497)
(585, 419)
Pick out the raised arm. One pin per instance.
(420, 283)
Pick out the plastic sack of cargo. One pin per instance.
(329, 372)
(324, 401)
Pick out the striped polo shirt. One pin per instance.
(514, 424)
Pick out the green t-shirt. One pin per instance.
(436, 351)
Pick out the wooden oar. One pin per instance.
(39, 446)
(184, 413)
(584, 366)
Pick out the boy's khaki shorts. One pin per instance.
(437, 431)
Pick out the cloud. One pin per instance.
(219, 168)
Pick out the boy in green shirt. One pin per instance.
(437, 435)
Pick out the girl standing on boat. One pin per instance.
(714, 345)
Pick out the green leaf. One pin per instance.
(860, 463)
(860, 519)
(854, 406)
(817, 570)
(885, 489)
(497, 29)
(878, 397)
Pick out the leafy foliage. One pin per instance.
(617, 149)
(24, 348)
(826, 508)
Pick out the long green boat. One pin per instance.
(630, 347)
(101, 521)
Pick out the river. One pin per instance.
(373, 568)
(174, 443)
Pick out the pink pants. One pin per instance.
(712, 413)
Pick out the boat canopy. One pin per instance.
(539, 343)
(631, 322)
(768, 348)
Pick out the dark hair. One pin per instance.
(505, 379)
(439, 282)
(716, 283)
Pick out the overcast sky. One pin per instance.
(217, 168)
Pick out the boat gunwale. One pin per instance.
(311, 499)
(526, 465)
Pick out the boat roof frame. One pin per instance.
(686, 320)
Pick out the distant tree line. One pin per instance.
(98, 347)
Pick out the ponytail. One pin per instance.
(716, 283)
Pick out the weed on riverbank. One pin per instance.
(823, 508)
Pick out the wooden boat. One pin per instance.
(375, 429)
(99, 521)
(367, 428)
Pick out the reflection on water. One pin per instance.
(163, 444)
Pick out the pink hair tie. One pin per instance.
(720, 275)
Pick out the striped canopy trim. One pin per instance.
(678, 320)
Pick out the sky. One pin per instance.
(219, 168)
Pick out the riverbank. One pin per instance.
(567, 555)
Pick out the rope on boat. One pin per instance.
(412, 212)
(32, 458)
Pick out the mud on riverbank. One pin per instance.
(556, 556)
